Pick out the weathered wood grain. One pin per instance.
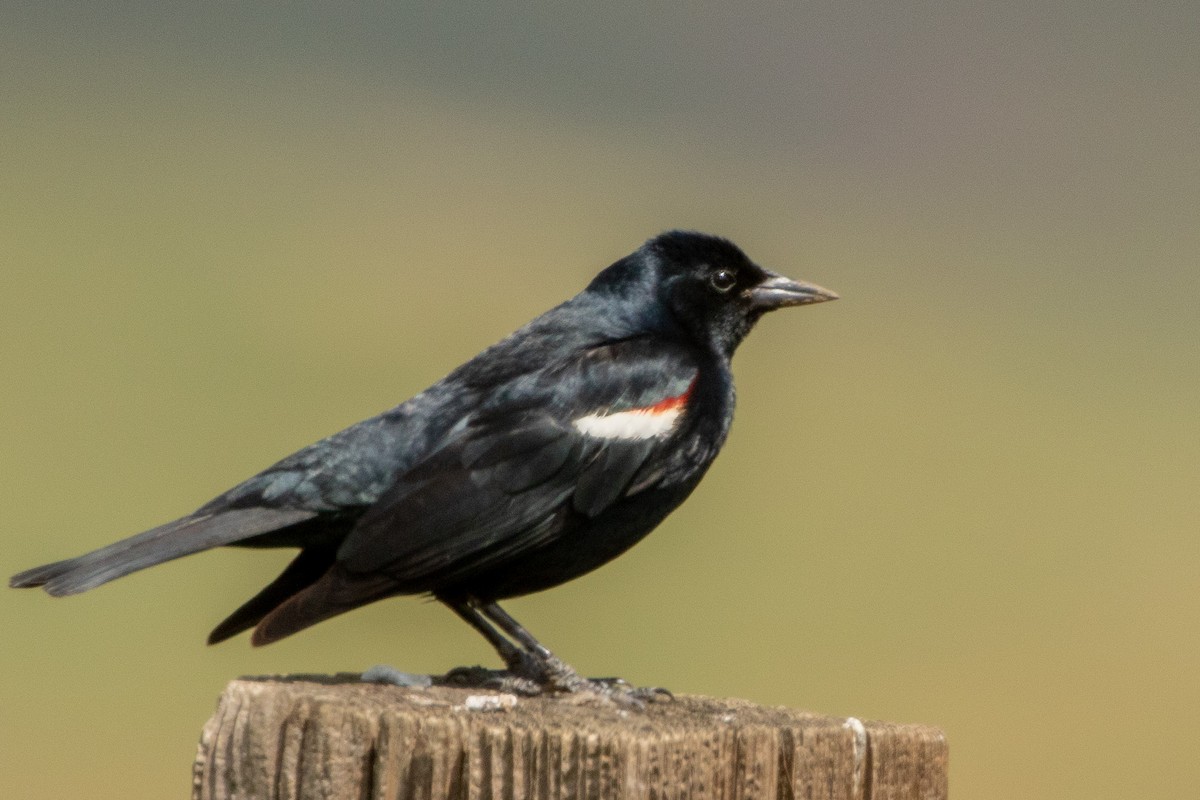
(294, 739)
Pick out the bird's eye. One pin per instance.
(723, 280)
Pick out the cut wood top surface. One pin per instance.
(312, 736)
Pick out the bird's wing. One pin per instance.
(344, 472)
(553, 444)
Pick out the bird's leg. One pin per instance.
(555, 672)
(525, 673)
(531, 668)
(559, 675)
(518, 661)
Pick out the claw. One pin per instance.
(648, 693)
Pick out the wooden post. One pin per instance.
(296, 738)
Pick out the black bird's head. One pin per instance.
(707, 286)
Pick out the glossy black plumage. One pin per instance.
(547, 455)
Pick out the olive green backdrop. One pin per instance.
(965, 494)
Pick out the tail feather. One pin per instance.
(181, 537)
(335, 592)
(305, 569)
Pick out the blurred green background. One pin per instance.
(966, 494)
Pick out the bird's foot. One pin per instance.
(558, 676)
(533, 677)
(644, 693)
(500, 680)
(524, 664)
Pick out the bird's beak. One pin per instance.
(776, 291)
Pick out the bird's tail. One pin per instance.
(182, 537)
